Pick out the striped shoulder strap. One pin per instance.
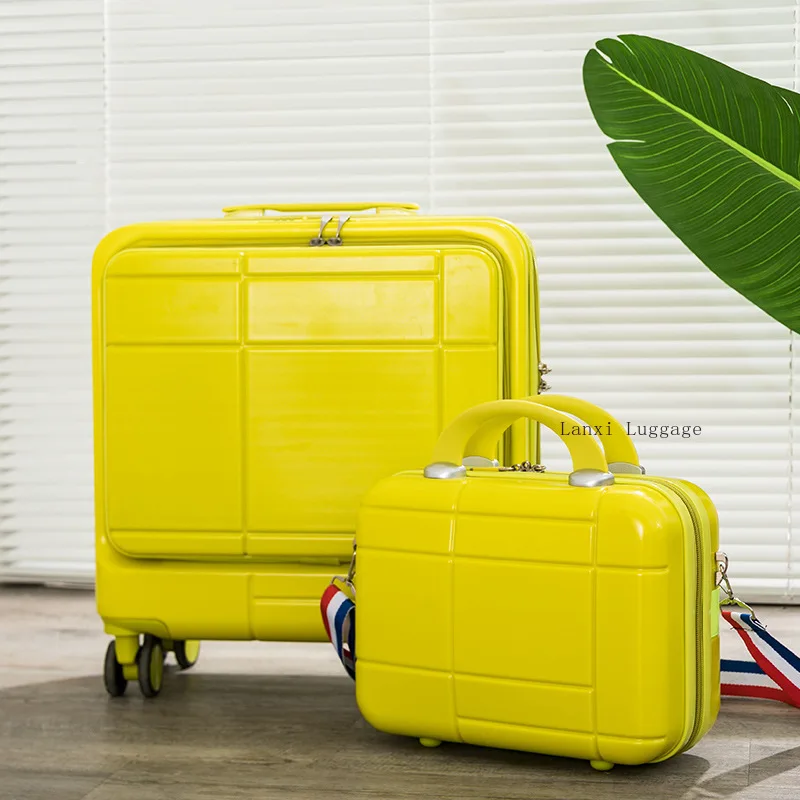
(339, 619)
(774, 673)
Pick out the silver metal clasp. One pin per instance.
(349, 579)
(625, 468)
(351, 571)
(590, 478)
(723, 583)
(479, 461)
(444, 471)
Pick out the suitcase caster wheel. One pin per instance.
(430, 742)
(113, 676)
(601, 766)
(187, 652)
(150, 666)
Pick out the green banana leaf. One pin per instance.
(715, 153)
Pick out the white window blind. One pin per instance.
(51, 216)
(630, 319)
(461, 105)
(213, 103)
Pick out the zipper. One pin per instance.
(700, 613)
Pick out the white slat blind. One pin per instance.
(630, 319)
(461, 105)
(215, 103)
(51, 215)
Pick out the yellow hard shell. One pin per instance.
(572, 615)
(249, 388)
(517, 611)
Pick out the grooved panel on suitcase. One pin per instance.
(250, 388)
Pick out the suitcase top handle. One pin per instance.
(618, 446)
(589, 467)
(260, 210)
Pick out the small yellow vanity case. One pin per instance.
(572, 615)
(254, 375)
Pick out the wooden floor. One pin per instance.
(279, 721)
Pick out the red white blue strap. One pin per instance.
(339, 618)
(774, 674)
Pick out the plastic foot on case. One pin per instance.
(430, 742)
(601, 766)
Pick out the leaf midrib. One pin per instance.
(767, 165)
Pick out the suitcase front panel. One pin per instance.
(234, 379)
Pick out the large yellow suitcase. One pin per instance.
(254, 375)
(573, 615)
